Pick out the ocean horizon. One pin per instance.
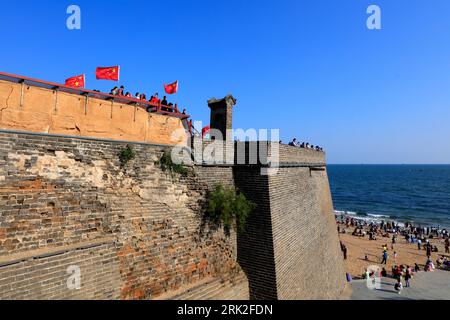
(416, 193)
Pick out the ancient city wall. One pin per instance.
(308, 259)
(55, 112)
(290, 248)
(296, 156)
(134, 232)
(139, 233)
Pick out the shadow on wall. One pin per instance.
(254, 245)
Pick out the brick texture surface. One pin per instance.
(57, 192)
(309, 264)
(137, 232)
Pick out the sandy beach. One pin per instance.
(407, 254)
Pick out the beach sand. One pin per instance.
(407, 254)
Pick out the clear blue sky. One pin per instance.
(310, 68)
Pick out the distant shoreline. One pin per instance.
(377, 218)
(419, 194)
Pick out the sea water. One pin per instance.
(419, 194)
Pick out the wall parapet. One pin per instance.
(259, 153)
(156, 107)
(38, 109)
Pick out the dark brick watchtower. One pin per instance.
(222, 116)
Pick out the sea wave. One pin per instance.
(361, 214)
(369, 217)
(348, 213)
(378, 215)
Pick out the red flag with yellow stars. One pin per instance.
(171, 88)
(108, 73)
(76, 82)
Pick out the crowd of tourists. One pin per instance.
(406, 272)
(304, 145)
(154, 99)
(413, 235)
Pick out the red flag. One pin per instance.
(108, 73)
(171, 88)
(205, 130)
(75, 82)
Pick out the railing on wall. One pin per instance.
(144, 104)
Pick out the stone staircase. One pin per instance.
(213, 289)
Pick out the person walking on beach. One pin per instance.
(407, 277)
(344, 250)
(447, 245)
(419, 244)
(416, 268)
(385, 257)
(428, 250)
(398, 286)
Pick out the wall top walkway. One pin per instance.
(261, 153)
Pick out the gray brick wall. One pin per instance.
(46, 278)
(59, 193)
(308, 261)
(255, 244)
